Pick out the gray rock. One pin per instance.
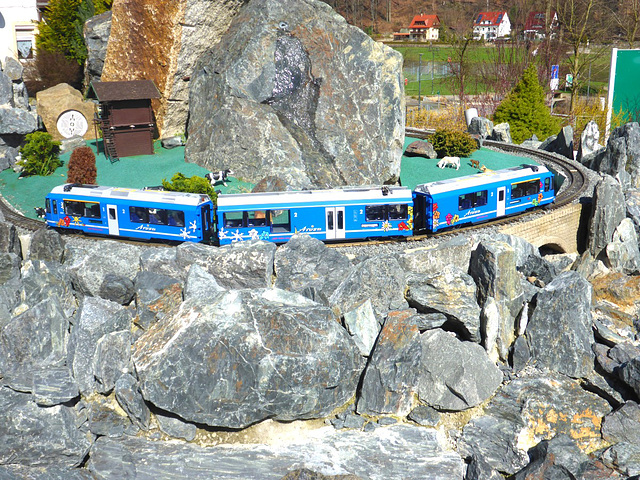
(46, 244)
(456, 251)
(425, 416)
(174, 427)
(562, 144)
(421, 148)
(589, 142)
(53, 386)
(608, 211)
(13, 69)
(43, 280)
(6, 91)
(623, 424)
(89, 263)
(96, 317)
(429, 321)
(391, 378)
(112, 359)
(401, 452)
(172, 142)
(50, 472)
(129, 397)
(624, 457)
(201, 284)
(96, 32)
(239, 265)
(16, 120)
(293, 99)
(21, 96)
(9, 267)
(493, 267)
(455, 375)
(501, 133)
(305, 262)
(479, 469)
(363, 327)
(380, 279)
(9, 240)
(622, 157)
(451, 292)
(156, 297)
(8, 157)
(36, 436)
(481, 126)
(559, 332)
(538, 267)
(104, 420)
(31, 341)
(117, 288)
(622, 252)
(557, 458)
(524, 412)
(532, 142)
(630, 374)
(70, 144)
(269, 353)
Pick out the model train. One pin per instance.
(345, 213)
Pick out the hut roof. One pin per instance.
(124, 90)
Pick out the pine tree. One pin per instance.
(82, 166)
(525, 110)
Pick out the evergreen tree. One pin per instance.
(525, 110)
(61, 30)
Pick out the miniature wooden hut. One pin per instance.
(125, 116)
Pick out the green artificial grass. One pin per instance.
(417, 170)
(25, 193)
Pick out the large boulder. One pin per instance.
(561, 144)
(161, 42)
(55, 101)
(293, 98)
(622, 252)
(529, 409)
(606, 214)
(622, 157)
(17, 121)
(96, 32)
(559, 332)
(589, 147)
(267, 353)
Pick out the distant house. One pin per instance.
(424, 28)
(535, 26)
(403, 34)
(491, 26)
(18, 27)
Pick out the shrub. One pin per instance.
(82, 166)
(39, 155)
(447, 118)
(195, 184)
(453, 143)
(61, 30)
(525, 109)
(48, 69)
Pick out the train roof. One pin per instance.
(483, 178)
(385, 194)
(158, 196)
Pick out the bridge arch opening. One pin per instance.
(551, 249)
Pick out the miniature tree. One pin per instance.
(195, 184)
(452, 143)
(525, 111)
(39, 154)
(82, 166)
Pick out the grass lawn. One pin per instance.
(130, 172)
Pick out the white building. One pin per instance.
(18, 26)
(491, 25)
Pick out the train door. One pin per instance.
(334, 223)
(500, 208)
(112, 219)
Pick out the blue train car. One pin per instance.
(131, 213)
(346, 213)
(482, 196)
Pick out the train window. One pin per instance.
(472, 200)
(523, 189)
(175, 218)
(257, 218)
(397, 212)
(138, 215)
(92, 210)
(280, 220)
(547, 184)
(74, 208)
(232, 219)
(374, 213)
(157, 216)
(55, 207)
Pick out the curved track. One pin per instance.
(573, 186)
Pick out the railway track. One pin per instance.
(575, 181)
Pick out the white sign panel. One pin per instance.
(72, 123)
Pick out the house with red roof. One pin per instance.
(423, 28)
(490, 26)
(535, 27)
